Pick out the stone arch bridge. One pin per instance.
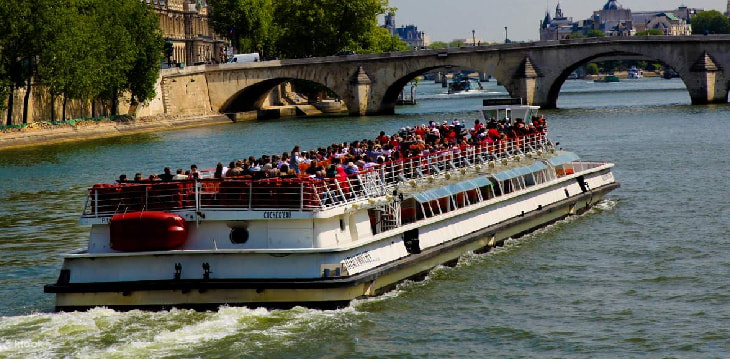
(370, 84)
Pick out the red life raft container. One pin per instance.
(147, 231)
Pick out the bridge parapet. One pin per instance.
(533, 71)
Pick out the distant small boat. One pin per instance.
(670, 74)
(573, 76)
(634, 73)
(464, 84)
(608, 79)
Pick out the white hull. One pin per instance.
(322, 267)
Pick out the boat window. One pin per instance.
(487, 192)
(530, 180)
(507, 187)
(342, 224)
(239, 235)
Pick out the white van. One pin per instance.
(244, 58)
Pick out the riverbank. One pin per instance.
(46, 133)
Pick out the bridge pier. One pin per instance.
(360, 91)
(706, 82)
(526, 84)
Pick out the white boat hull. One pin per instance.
(458, 234)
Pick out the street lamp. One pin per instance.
(474, 38)
(506, 38)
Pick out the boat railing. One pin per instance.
(302, 193)
(577, 166)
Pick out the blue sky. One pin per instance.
(448, 20)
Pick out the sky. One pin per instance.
(455, 19)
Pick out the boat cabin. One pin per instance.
(510, 109)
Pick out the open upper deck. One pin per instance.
(300, 193)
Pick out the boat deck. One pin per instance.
(301, 193)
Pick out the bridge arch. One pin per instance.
(705, 82)
(253, 97)
(559, 81)
(394, 88)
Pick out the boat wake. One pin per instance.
(105, 333)
(228, 332)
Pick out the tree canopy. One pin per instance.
(710, 22)
(650, 32)
(79, 49)
(303, 28)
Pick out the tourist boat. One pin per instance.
(320, 243)
(635, 73)
(462, 83)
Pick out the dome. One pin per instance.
(611, 5)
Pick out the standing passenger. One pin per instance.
(294, 162)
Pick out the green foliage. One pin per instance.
(303, 28)
(380, 40)
(576, 35)
(80, 49)
(650, 32)
(592, 68)
(654, 67)
(595, 33)
(325, 27)
(710, 22)
(248, 23)
(457, 43)
(438, 45)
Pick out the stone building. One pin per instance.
(556, 28)
(615, 20)
(184, 23)
(409, 34)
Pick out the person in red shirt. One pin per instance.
(383, 139)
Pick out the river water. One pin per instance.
(644, 274)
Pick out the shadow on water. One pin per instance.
(55, 153)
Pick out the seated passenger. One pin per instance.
(179, 175)
(167, 175)
(122, 179)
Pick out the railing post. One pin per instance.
(96, 203)
(250, 194)
(198, 185)
(301, 196)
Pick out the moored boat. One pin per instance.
(281, 242)
(608, 79)
(635, 73)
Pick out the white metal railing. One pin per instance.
(300, 193)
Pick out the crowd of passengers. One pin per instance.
(340, 160)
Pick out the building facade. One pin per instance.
(615, 20)
(409, 33)
(557, 28)
(184, 23)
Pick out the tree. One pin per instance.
(595, 33)
(457, 43)
(132, 50)
(650, 32)
(22, 29)
(710, 22)
(438, 45)
(246, 22)
(325, 27)
(380, 40)
(592, 69)
(143, 25)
